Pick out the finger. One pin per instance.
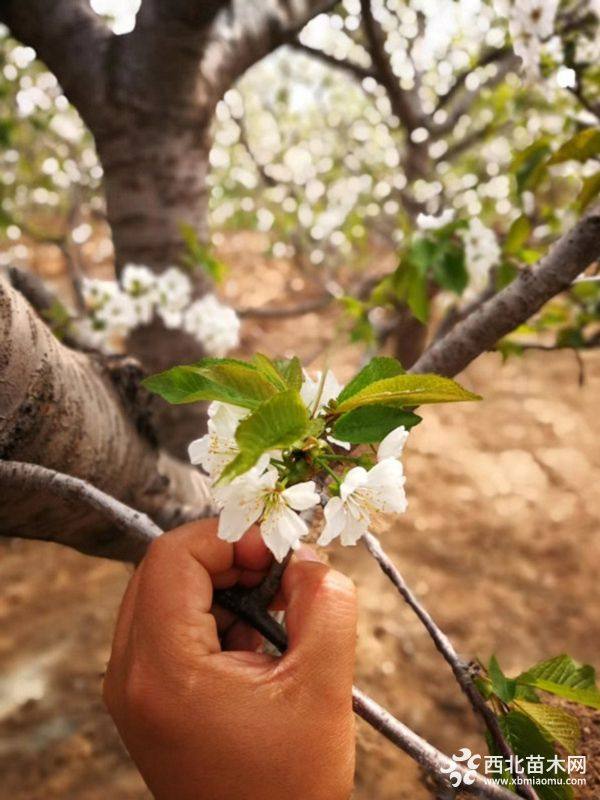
(124, 618)
(251, 552)
(321, 625)
(175, 589)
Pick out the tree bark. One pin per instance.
(65, 410)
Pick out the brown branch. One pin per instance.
(459, 668)
(403, 103)
(512, 306)
(85, 415)
(352, 68)
(308, 307)
(71, 39)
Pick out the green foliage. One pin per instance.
(584, 145)
(589, 191)
(526, 739)
(529, 166)
(291, 371)
(503, 687)
(226, 380)
(557, 725)
(276, 424)
(371, 424)
(408, 390)
(517, 236)
(377, 369)
(566, 678)
(199, 256)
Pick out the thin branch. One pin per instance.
(485, 58)
(308, 307)
(512, 306)
(403, 103)
(352, 68)
(139, 532)
(445, 647)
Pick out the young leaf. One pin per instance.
(449, 268)
(584, 145)
(517, 236)
(557, 724)
(267, 368)
(408, 390)
(291, 371)
(377, 369)
(526, 739)
(226, 380)
(503, 687)
(566, 678)
(276, 424)
(371, 424)
(589, 190)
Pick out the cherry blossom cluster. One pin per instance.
(531, 23)
(116, 309)
(351, 488)
(482, 253)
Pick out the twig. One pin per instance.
(140, 531)
(459, 668)
(308, 307)
(351, 67)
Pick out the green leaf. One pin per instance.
(377, 369)
(275, 425)
(503, 687)
(589, 191)
(526, 739)
(408, 390)
(450, 270)
(529, 165)
(505, 274)
(198, 255)
(517, 236)
(557, 724)
(417, 297)
(584, 145)
(270, 371)
(371, 424)
(566, 678)
(291, 371)
(226, 380)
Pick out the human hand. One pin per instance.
(206, 723)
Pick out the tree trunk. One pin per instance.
(155, 181)
(65, 410)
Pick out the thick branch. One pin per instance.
(247, 32)
(82, 415)
(511, 307)
(71, 39)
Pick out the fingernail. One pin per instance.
(306, 553)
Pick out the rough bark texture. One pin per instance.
(64, 410)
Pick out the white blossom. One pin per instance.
(392, 445)
(118, 313)
(253, 497)
(482, 253)
(174, 292)
(218, 447)
(138, 280)
(96, 292)
(315, 394)
(429, 222)
(215, 325)
(362, 494)
(530, 23)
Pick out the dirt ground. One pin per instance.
(501, 541)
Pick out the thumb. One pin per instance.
(321, 624)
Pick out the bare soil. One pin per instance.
(501, 541)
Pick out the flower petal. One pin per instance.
(335, 520)
(356, 478)
(393, 444)
(282, 529)
(384, 489)
(237, 517)
(301, 496)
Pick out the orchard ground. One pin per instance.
(501, 541)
